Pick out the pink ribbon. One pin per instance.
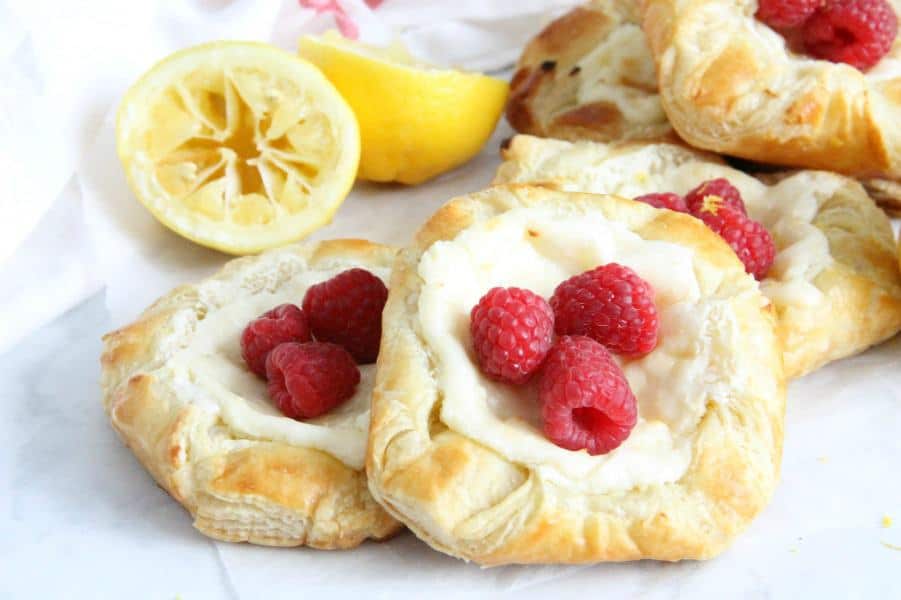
(346, 25)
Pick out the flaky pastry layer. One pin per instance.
(731, 84)
(589, 75)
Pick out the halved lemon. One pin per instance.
(416, 121)
(238, 146)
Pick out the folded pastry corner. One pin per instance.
(732, 84)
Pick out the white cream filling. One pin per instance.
(787, 209)
(210, 372)
(621, 59)
(690, 367)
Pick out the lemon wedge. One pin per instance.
(416, 121)
(238, 146)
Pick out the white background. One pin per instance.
(80, 518)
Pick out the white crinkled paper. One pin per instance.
(820, 537)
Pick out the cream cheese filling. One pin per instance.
(787, 209)
(537, 249)
(620, 70)
(210, 372)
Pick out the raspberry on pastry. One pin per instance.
(308, 380)
(783, 14)
(666, 200)
(750, 240)
(719, 189)
(833, 282)
(586, 402)
(178, 392)
(347, 310)
(610, 304)
(284, 323)
(731, 84)
(511, 332)
(666, 456)
(857, 32)
(603, 89)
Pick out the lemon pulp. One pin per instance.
(238, 146)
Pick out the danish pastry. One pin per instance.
(589, 75)
(459, 458)
(731, 84)
(178, 393)
(835, 285)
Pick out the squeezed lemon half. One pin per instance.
(238, 146)
(416, 121)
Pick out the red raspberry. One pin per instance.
(610, 304)
(750, 239)
(347, 310)
(857, 32)
(308, 380)
(719, 191)
(664, 200)
(511, 333)
(284, 323)
(784, 14)
(585, 399)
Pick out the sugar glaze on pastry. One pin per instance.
(731, 84)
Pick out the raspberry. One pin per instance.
(347, 310)
(784, 14)
(664, 200)
(857, 32)
(511, 332)
(749, 239)
(308, 380)
(585, 399)
(715, 190)
(610, 304)
(284, 323)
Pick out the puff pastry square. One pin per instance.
(730, 83)
(461, 460)
(177, 392)
(835, 284)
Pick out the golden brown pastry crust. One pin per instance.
(237, 488)
(861, 287)
(544, 91)
(467, 500)
(887, 194)
(727, 88)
